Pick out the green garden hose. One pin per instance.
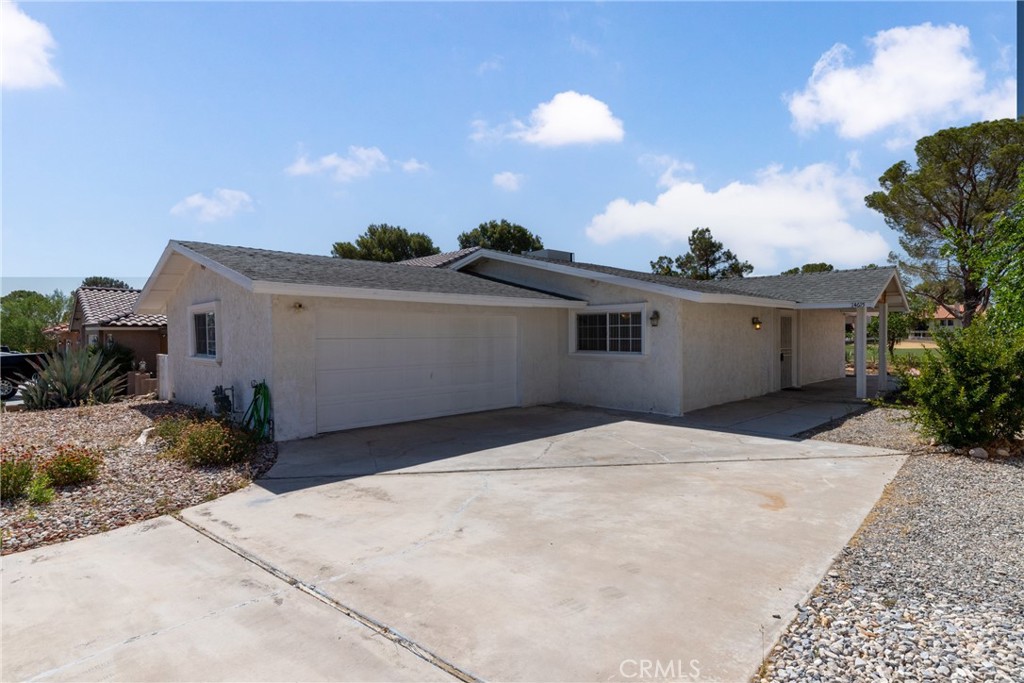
(257, 416)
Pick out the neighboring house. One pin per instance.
(345, 343)
(941, 319)
(64, 339)
(105, 315)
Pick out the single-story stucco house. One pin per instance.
(344, 343)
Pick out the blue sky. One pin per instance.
(610, 129)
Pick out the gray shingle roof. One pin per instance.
(707, 286)
(308, 269)
(863, 284)
(837, 286)
(439, 260)
(112, 307)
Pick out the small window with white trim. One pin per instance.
(204, 337)
(614, 331)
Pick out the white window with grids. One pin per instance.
(608, 329)
(204, 342)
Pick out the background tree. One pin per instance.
(104, 281)
(899, 328)
(388, 243)
(810, 268)
(501, 236)
(25, 314)
(945, 210)
(1004, 266)
(707, 259)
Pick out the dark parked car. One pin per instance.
(14, 368)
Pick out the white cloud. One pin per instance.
(26, 48)
(360, 162)
(492, 64)
(413, 166)
(220, 205)
(919, 78)
(800, 215)
(508, 181)
(568, 119)
(582, 46)
(666, 167)
(481, 132)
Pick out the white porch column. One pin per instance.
(860, 346)
(883, 345)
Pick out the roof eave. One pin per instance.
(847, 306)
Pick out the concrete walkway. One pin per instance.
(545, 544)
(787, 412)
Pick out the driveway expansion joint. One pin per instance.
(595, 465)
(311, 590)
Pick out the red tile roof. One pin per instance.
(113, 307)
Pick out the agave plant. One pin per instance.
(71, 379)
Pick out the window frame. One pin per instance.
(218, 337)
(609, 310)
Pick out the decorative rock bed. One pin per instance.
(135, 482)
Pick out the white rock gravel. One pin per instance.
(932, 586)
(135, 482)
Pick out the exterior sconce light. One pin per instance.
(655, 318)
(756, 322)
(297, 306)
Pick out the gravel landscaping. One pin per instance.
(135, 482)
(932, 585)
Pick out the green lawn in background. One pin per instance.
(872, 353)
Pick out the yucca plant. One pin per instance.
(71, 379)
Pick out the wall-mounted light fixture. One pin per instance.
(297, 306)
(655, 318)
(756, 322)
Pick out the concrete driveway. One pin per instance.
(547, 544)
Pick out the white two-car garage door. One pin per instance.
(375, 367)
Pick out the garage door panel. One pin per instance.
(348, 412)
(380, 366)
(372, 383)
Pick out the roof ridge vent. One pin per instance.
(553, 255)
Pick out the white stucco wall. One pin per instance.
(647, 383)
(294, 331)
(244, 340)
(724, 358)
(822, 345)
(699, 355)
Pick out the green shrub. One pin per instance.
(15, 473)
(209, 442)
(72, 378)
(122, 357)
(170, 428)
(40, 490)
(72, 465)
(971, 391)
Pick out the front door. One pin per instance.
(786, 351)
